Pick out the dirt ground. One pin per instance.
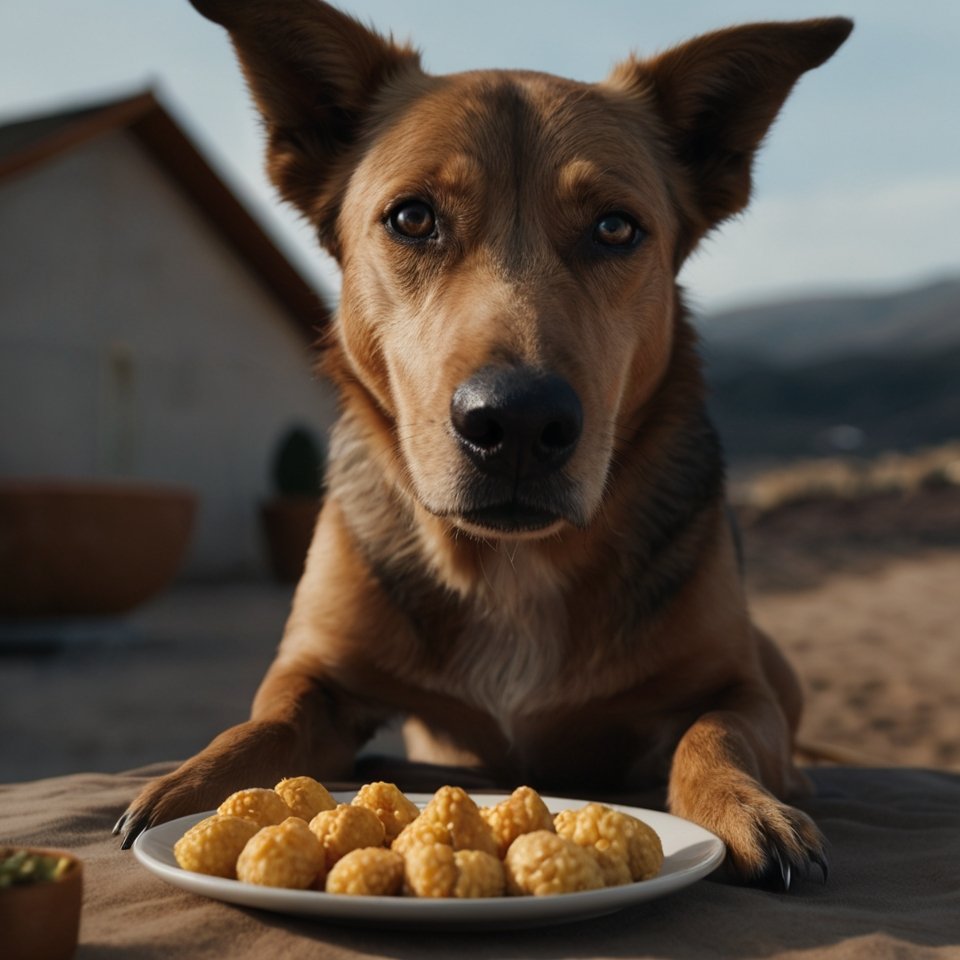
(864, 598)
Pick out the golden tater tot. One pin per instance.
(304, 796)
(213, 845)
(452, 818)
(390, 805)
(478, 875)
(522, 812)
(421, 833)
(430, 870)
(367, 872)
(346, 828)
(282, 855)
(542, 863)
(614, 834)
(257, 804)
(612, 866)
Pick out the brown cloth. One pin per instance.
(894, 890)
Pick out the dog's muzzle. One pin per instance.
(518, 427)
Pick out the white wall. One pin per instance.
(134, 343)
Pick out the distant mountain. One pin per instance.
(858, 374)
(920, 319)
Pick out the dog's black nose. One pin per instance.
(516, 422)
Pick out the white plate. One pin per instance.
(690, 852)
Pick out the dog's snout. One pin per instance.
(516, 422)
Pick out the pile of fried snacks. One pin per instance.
(380, 844)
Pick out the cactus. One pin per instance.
(298, 465)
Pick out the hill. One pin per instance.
(917, 320)
(860, 374)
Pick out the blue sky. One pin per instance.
(858, 187)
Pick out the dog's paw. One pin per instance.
(175, 795)
(769, 844)
(782, 844)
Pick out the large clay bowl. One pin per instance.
(88, 548)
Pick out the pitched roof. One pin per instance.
(28, 143)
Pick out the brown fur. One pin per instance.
(613, 647)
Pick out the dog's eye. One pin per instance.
(413, 219)
(617, 230)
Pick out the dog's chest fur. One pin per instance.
(508, 658)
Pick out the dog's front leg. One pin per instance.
(299, 724)
(307, 718)
(728, 770)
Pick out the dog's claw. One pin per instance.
(820, 859)
(778, 875)
(781, 868)
(129, 827)
(132, 831)
(785, 872)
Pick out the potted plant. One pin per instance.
(289, 517)
(40, 895)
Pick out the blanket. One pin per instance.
(893, 891)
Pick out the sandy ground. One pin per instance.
(879, 658)
(864, 598)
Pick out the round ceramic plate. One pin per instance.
(690, 853)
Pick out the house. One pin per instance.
(149, 327)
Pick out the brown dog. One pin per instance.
(524, 549)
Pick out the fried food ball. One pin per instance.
(367, 872)
(421, 833)
(346, 828)
(522, 812)
(478, 875)
(390, 805)
(542, 863)
(437, 870)
(257, 804)
(282, 855)
(614, 834)
(452, 818)
(304, 796)
(613, 867)
(430, 870)
(213, 845)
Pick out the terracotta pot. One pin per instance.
(41, 921)
(88, 548)
(288, 524)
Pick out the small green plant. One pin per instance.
(298, 465)
(20, 867)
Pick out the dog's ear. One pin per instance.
(717, 96)
(313, 72)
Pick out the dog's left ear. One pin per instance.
(717, 96)
(314, 73)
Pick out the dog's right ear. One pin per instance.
(313, 72)
(717, 96)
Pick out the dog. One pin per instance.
(524, 549)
